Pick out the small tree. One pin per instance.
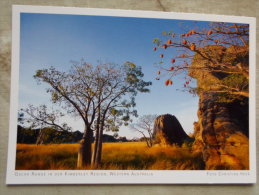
(221, 49)
(144, 126)
(41, 118)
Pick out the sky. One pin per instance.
(55, 39)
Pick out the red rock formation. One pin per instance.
(168, 130)
(221, 132)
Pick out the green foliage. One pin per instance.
(113, 111)
(236, 80)
(229, 98)
(157, 41)
(105, 85)
(20, 117)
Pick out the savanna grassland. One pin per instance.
(115, 156)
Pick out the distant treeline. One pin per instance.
(52, 136)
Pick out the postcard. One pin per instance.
(105, 96)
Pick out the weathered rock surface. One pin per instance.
(221, 132)
(168, 131)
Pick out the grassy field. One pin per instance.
(116, 156)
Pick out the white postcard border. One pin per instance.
(125, 176)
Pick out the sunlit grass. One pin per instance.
(116, 156)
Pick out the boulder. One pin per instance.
(168, 131)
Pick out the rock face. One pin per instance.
(221, 132)
(168, 130)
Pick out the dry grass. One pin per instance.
(42, 157)
(116, 156)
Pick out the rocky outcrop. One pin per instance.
(168, 131)
(221, 132)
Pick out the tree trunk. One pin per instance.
(98, 157)
(40, 137)
(147, 141)
(150, 141)
(95, 145)
(85, 149)
(96, 137)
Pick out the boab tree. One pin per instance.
(118, 86)
(91, 93)
(221, 49)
